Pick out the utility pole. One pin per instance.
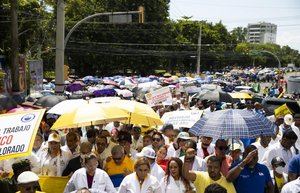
(199, 51)
(15, 45)
(60, 48)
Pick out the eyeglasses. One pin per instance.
(156, 139)
(223, 148)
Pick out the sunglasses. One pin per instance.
(223, 148)
(156, 139)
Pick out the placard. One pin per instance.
(17, 133)
(162, 95)
(182, 118)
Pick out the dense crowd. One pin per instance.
(124, 158)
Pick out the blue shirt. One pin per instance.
(294, 165)
(252, 180)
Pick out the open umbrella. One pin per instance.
(7, 102)
(240, 95)
(139, 113)
(67, 106)
(215, 95)
(49, 101)
(233, 123)
(89, 114)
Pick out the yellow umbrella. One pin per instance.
(239, 95)
(139, 113)
(89, 114)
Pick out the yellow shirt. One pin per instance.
(112, 168)
(279, 182)
(203, 180)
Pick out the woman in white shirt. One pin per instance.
(91, 177)
(54, 160)
(140, 181)
(174, 180)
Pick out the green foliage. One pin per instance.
(98, 47)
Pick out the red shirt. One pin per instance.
(163, 164)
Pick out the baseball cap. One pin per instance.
(147, 152)
(184, 135)
(288, 119)
(278, 161)
(235, 146)
(54, 137)
(27, 177)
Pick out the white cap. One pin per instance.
(27, 177)
(288, 119)
(235, 146)
(183, 135)
(272, 118)
(147, 152)
(54, 137)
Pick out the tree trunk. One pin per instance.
(15, 46)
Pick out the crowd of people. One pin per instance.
(134, 158)
(121, 158)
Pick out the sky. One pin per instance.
(233, 13)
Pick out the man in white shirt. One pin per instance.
(283, 149)
(205, 147)
(199, 164)
(72, 145)
(262, 146)
(176, 149)
(137, 138)
(292, 187)
(287, 122)
(296, 128)
(155, 169)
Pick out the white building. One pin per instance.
(261, 32)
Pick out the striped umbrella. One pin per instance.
(233, 123)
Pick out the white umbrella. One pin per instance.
(67, 106)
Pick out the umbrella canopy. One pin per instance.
(20, 109)
(139, 113)
(211, 87)
(49, 101)
(7, 102)
(74, 87)
(239, 95)
(89, 114)
(233, 123)
(215, 95)
(67, 106)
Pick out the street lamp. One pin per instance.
(268, 52)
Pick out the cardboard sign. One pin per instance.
(17, 133)
(162, 95)
(182, 118)
(282, 111)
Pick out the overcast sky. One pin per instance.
(233, 13)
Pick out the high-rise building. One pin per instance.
(261, 32)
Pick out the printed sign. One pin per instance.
(17, 133)
(182, 118)
(160, 95)
(36, 75)
(282, 111)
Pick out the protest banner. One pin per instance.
(162, 95)
(17, 133)
(36, 75)
(51, 184)
(282, 111)
(182, 118)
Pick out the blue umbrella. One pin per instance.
(233, 123)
